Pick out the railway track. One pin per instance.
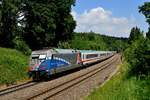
(17, 87)
(51, 92)
(46, 90)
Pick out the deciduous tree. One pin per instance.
(47, 22)
(8, 21)
(135, 34)
(145, 10)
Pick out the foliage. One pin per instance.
(122, 88)
(13, 65)
(39, 23)
(148, 33)
(95, 41)
(8, 22)
(145, 10)
(135, 34)
(137, 54)
(21, 46)
(47, 22)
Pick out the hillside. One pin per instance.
(13, 65)
(95, 41)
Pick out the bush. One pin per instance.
(63, 45)
(20, 45)
(138, 56)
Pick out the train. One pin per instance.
(48, 62)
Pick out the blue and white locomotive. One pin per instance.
(52, 61)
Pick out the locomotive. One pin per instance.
(48, 62)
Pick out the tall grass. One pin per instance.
(121, 87)
(13, 65)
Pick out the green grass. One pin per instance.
(13, 66)
(121, 87)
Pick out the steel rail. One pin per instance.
(81, 77)
(17, 87)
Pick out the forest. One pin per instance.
(35, 24)
(95, 41)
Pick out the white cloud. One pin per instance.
(102, 21)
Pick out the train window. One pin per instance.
(102, 54)
(91, 55)
(42, 56)
(34, 60)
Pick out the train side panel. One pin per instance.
(46, 63)
(71, 59)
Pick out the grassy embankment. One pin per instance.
(13, 66)
(123, 87)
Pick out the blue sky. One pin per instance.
(111, 17)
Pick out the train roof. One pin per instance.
(52, 51)
(65, 50)
(94, 51)
(44, 51)
(56, 51)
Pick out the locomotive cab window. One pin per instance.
(42, 58)
(34, 60)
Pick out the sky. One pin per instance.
(109, 17)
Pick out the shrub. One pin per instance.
(20, 45)
(136, 56)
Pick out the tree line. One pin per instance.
(95, 41)
(35, 23)
(138, 52)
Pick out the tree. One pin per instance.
(8, 22)
(136, 56)
(40, 23)
(47, 22)
(135, 34)
(148, 33)
(64, 21)
(145, 10)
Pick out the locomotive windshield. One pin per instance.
(37, 59)
(42, 58)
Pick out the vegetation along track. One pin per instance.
(51, 92)
(50, 89)
(17, 87)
